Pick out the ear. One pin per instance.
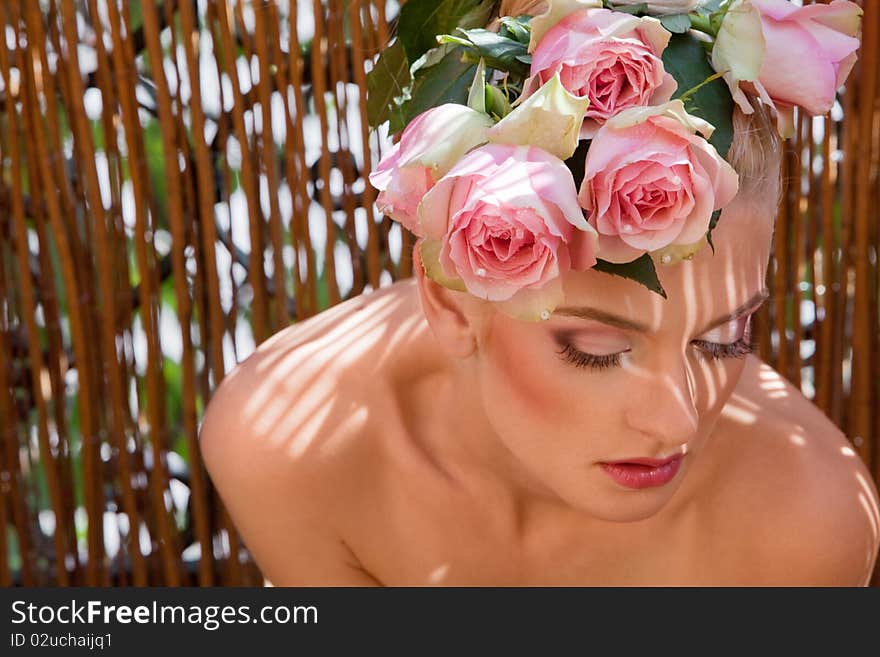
(446, 312)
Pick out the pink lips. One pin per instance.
(643, 472)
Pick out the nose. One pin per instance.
(665, 407)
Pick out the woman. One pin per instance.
(420, 436)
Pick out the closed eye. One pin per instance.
(739, 349)
(582, 359)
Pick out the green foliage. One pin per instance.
(477, 93)
(497, 103)
(516, 28)
(447, 81)
(709, 15)
(685, 59)
(677, 23)
(415, 74)
(713, 221)
(640, 270)
(641, 8)
(499, 52)
(388, 80)
(421, 20)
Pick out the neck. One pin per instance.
(463, 443)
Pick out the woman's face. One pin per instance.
(619, 373)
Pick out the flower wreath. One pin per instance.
(575, 134)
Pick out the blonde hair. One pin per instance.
(756, 154)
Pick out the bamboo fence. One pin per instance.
(180, 179)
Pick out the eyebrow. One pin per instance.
(630, 325)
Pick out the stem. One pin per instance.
(690, 92)
(703, 24)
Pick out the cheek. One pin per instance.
(530, 392)
(520, 383)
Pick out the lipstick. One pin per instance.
(643, 472)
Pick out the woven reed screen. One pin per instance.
(181, 179)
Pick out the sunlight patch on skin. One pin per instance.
(731, 284)
(438, 574)
(848, 451)
(403, 329)
(746, 403)
(797, 439)
(685, 406)
(714, 383)
(767, 374)
(349, 429)
(265, 407)
(370, 337)
(870, 507)
(870, 503)
(690, 286)
(739, 414)
(266, 411)
(317, 400)
(871, 511)
(318, 326)
(307, 433)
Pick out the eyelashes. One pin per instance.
(581, 359)
(712, 350)
(739, 349)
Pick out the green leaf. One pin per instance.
(676, 23)
(421, 20)
(641, 8)
(446, 82)
(518, 28)
(709, 15)
(710, 6)
(713, 221)
(641, 270)
(477, 93)
(430, 58)
(500, 53)
(686, 60)
(497, 104)
(388, 80)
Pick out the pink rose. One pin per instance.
(429, 146)
(508, 219)
(611, 57)
(650, 181)
(792, 55)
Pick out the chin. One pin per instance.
(629, 510)
(611, 503)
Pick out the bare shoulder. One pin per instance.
(285, 439)
(807, 508)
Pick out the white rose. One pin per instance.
(663, 7)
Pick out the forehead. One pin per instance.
(698, 290)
